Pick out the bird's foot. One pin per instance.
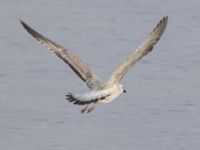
(87, 109)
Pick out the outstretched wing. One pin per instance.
(74, 62)
(144, 49)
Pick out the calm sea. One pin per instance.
(161, 108)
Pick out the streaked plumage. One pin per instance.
(99, 92)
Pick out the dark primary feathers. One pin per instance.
(75, 63)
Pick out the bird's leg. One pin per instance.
(85, 108)
(90, 109)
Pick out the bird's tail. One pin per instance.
(88, 98)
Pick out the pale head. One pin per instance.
(122, 89)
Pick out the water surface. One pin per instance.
(161, 108)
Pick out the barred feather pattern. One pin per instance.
(88, 98)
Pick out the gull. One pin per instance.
(100, 92)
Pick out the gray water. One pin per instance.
(161, 109)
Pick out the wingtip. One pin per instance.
(165, 18)
(29, 29)
(22, 22)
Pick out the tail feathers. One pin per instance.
(75, 100)
(85, 99)
(88, 108)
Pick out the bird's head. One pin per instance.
(124, 90)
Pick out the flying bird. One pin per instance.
(100, 92)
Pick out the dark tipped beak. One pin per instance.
(124, 91)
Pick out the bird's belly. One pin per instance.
(114, 91)
(108, 99)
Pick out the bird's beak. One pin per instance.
(124, 91)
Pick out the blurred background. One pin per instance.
(161, 108)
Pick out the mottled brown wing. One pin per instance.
(75, 63)
(144, 49)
